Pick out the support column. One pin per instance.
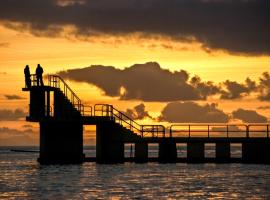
(223, 151)
(48, 106)
(141, 152)
(195, 152)
(167, 151)
(109, 143)
(61, 142)
(37, 104)
(256, 151)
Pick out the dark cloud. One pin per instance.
(236, 90)
(150, 82)
(138, 112)
(9, 115)
(147, 82)
(204, 89)
(264, 87)
(188, 112)
(13, 97)
(249, 116)
(240, 26)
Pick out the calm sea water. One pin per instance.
(21, 177)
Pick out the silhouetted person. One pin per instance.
(39, 72)
(27, 76)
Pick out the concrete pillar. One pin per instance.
(61, 142)
(256, 151)
(48, 108)
(109, 143)
(195, 151)
(223, 151)
(167, 152)
(141, 152)
(37, 104)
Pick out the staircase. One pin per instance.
(71, 107)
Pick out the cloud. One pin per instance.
(236, 90)
(264, 87)
(147, 82)
(13, 97)
(9, 115)
(238, 26)
(150, 82)
(263, 107)
(15, 137)
(204, 89)
(27, 126)
(249, 116)
(10, 131)
(4, 44)
(190, 112)
(138, 112)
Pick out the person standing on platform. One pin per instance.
(27, 76)
(39, 72)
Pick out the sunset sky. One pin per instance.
(159, 61)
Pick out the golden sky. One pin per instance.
(19, 47)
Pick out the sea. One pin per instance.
(22, 177)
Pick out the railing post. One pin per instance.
(171, 131)
(267, 127)
(208, 131)
(227, 130)
(247, 131)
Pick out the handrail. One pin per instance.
(123, 119)
(220, 128)
(102, 109)
(55, 81)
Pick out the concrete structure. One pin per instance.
(195, 151)
(61, 116)
(167, 151)
(223, 151)
(141, 152)
(256, 151)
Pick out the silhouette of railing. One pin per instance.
(57, 82)
(219, 130)
(105, 110)
(121, 118)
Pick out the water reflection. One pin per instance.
(22, 177)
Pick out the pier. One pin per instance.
(62, 115)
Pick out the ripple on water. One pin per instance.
(22, 177)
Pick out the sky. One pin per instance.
(158, 61)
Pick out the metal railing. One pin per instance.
(58, 82)
(102, 109)
(219, 130)
(124, 120)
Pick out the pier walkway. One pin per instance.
(62, 114)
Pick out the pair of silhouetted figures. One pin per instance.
(39, 79)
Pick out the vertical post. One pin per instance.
(267, 131)
(170, 131)
(208, 131)
(48, 104)
(189, 130)
(227, 130)
(247, 131)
